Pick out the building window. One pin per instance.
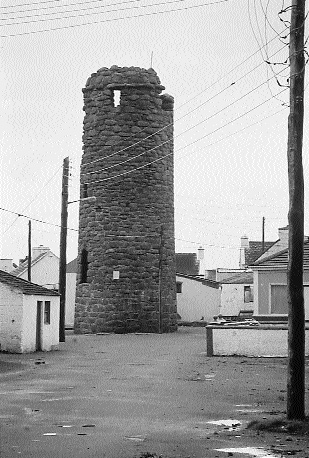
(85, 190)
(47, 312)
(248, 294)
(116, 98)
(278, 299)
(178, 286)
(84, 266)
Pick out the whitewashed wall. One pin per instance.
(11, 311)
(232, 299)
(45, 272)
(49, 332)
(197, 300)
(250, 341)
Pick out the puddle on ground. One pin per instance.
(135, 438)
(225, 422)
(230, 425)
(249, 410)
(249, 451)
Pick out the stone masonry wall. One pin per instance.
(128, 231)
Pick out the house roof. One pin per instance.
(241, 278)
(187, 263)
(200, 279)
(255, 251)
(24, 265)
(280, 260)
(28, 288)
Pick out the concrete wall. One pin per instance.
(232, 299)
(197, 300)
(11, 315)
(49, 332)
(126, 249)
(262, 290)
(249, 341)
(45, 272)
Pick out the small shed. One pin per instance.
(29, 316)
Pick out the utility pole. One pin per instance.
(29, 250)
(263, 234)
(63, 247)
(295, 293)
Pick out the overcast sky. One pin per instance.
(230, 122)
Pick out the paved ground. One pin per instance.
(125, 396)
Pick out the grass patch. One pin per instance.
(281, 425)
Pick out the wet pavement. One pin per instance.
(141, 395)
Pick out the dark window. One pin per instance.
(84, 266)
(85, 191)
(178, 286)
(47, 312)
(248, 294)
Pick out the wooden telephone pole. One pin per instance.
(63, 247)
(296, 322)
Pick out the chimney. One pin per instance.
(244, 242)
(283, 234)
(6, 265)
(37, 251)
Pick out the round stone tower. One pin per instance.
(126, 253)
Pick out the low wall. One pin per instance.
(249, 341)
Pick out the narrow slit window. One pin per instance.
(179, 287)
(84, 266)
(85, 191)
(47, 312)
(117, 96)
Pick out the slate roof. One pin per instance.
(28, 288)
(255, 251)
(24, 266)
(280, 260)
(187, 263)
(204, 281)
(240, 279)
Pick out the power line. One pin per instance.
(186, 114)
(89, 14)
(185, 131)
(62, 6)
(114, 19)
(32, 3)
(192, 143)
(35, 219)
(35, 197)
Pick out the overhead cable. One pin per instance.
(114, 19)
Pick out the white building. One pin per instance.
(237, 294)
(198, 299)
(44, 268)
(29, 316)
